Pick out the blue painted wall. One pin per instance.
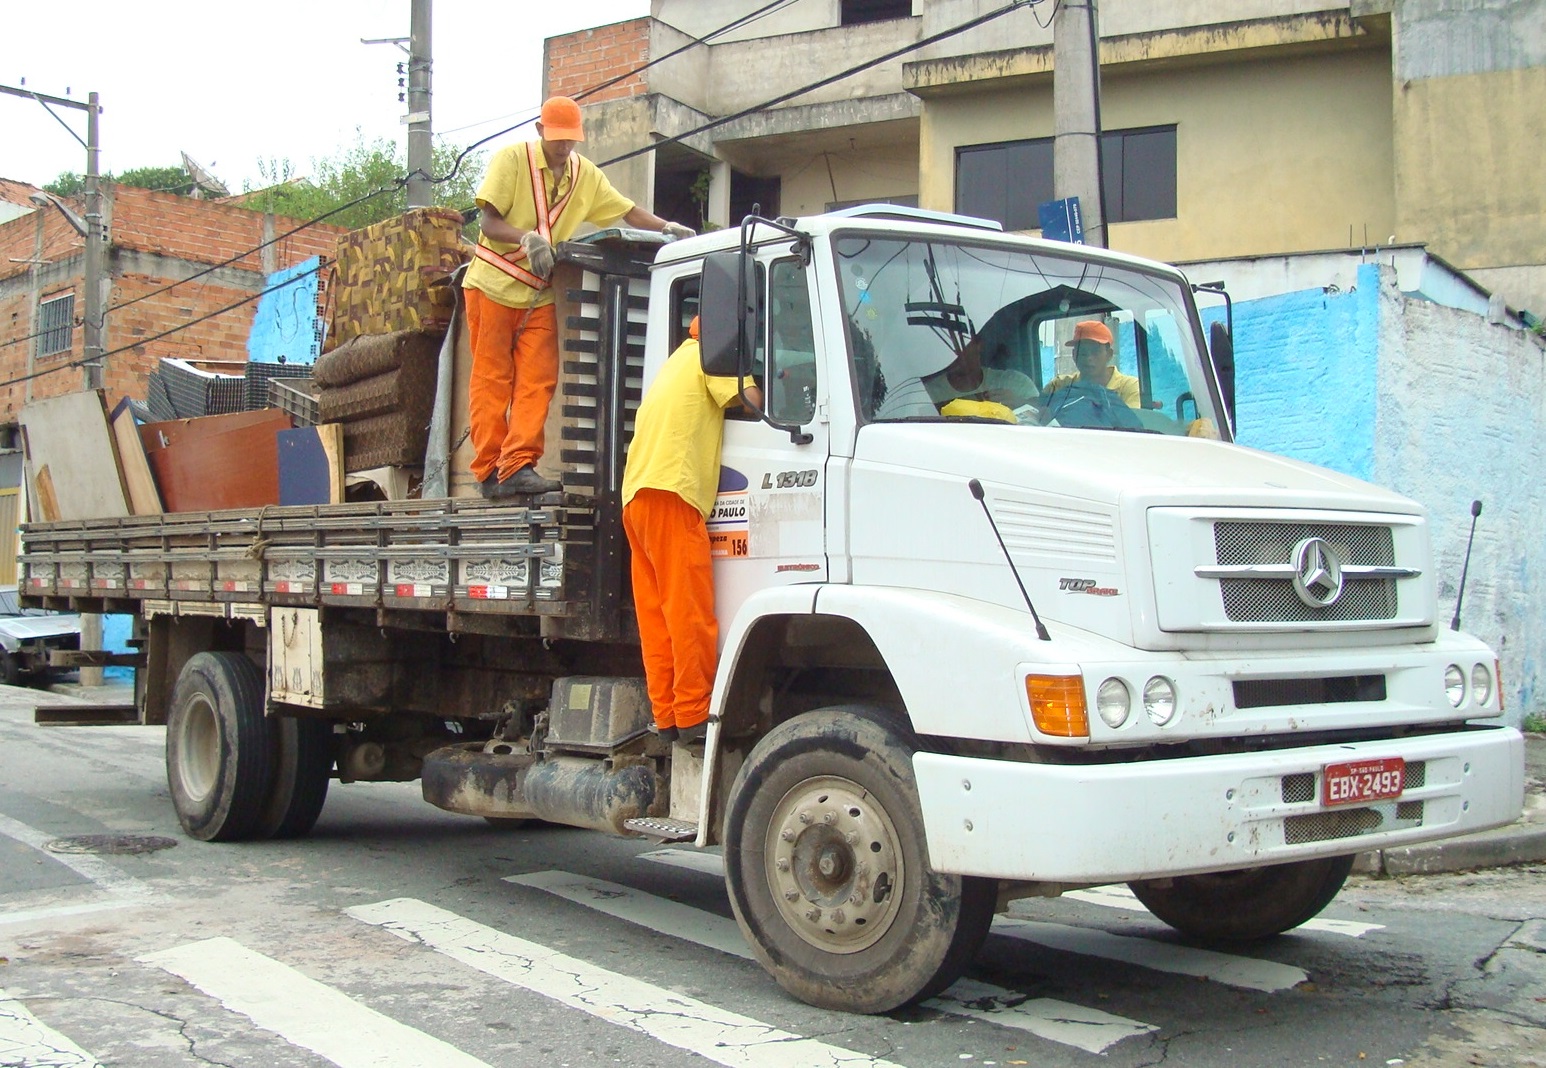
(285, 329)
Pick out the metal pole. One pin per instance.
(95, 250)
(421, 154)
(1076, 169)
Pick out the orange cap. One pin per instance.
(561, 120)
(1090, 330)
(692, 328)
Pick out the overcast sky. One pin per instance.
(233, 84)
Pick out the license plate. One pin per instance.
(1362, 780)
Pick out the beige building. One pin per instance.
(1294, 125)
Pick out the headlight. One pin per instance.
(1454, 685)
(1481, 684)
(1113, 702)
(1159, 700)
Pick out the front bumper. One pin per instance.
(1113, 822)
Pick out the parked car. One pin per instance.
(27, 635)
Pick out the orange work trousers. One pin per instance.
(514, 374)
(673, 594)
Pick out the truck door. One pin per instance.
(767, 527)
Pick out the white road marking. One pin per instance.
(1058, 1021)
(29, 915)
(1089, 1029)
(101, 873)
(691, 859)
(675, 1019)
(303, 1011)
(1245, 972)
(1120, 897)
(26, 1040)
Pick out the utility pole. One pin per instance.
(421, 153)
(1076, 164)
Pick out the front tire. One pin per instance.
(827, 867)
(219, 747)
(1245, 906)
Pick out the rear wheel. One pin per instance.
(219, 747)
(827, 867)
(302, 769)
(1245, 906)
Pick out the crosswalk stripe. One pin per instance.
(1114, 897)
(303, 1011)
(675, 1019)
(26, 1040)
(1120, 897)
(1244, 972)
(1089, 1029)
(58, 911)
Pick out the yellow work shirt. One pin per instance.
(1124, 386)
(678, 431)
(507, 189)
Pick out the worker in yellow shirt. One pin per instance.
(535, 195)
(669, 485)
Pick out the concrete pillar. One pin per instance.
(719, 193)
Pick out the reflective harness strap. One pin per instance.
(546, 217)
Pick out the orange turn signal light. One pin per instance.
(1057, 705)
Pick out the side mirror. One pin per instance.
(729, 308)
(1223, 349)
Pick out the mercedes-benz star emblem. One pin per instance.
(1317, 573)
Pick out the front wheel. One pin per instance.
(219, 747)
(827, 867)
(1245, 906)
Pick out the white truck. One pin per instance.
(981, 640)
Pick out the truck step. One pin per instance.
(663, 828)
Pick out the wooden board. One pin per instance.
(141, 484)
(216, 461)
(72, 463)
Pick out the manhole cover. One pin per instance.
(110, 843)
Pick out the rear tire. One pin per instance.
(303, 768)
(1245, 906)
(827, 867)
(219, 747)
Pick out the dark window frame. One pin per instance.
(858, 12)
(56, 324)
(1030, 162)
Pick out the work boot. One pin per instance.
(694, 733)
(665, 734)
(526, 480)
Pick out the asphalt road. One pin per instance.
(397, 935)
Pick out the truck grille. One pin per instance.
(1270, 600)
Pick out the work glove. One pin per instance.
(539, 254)
(676, 231)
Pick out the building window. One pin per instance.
(56, 324)
(857, 11)
(1006, 181)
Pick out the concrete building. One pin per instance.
(1289, 125)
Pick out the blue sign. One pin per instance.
(1060, 220)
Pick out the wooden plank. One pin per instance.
(72, 461)
(144, 499)
(216, 461)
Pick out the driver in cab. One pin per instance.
(1092, 385)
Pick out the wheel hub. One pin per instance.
(198, 751)
(835, 864)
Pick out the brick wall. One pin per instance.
(578, 61)
(175, 236)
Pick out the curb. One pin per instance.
(1520, 843)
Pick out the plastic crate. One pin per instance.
(296, 396)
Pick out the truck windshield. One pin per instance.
(944, 331)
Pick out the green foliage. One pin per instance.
(162, 179)
(1535, 723)
(354, 173)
